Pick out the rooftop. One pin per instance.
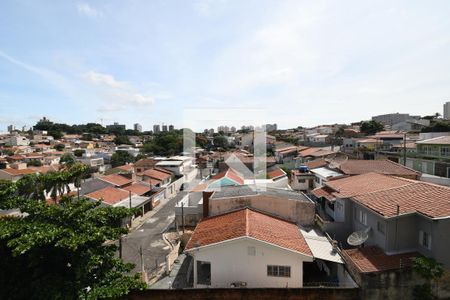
(252, 190)
(109, 195)
(325, 172)
(388, 167)
(252, 224)
(157, 174)
(440, 140)
(138, 188)
(116, 179)
(373, 259)
(16, 172)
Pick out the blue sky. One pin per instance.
(301, 62)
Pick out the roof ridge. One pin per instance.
(385, 190)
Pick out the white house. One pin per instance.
(246, 248)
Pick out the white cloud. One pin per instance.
(209, 8)
(117, 94)
(88, 10)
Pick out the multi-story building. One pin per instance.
(391, 119)
(156, 128)
(446, 114)
(432, 156)
(138, 127)
(116, 126)
(11, 128)
(171, 127)
(164, 128)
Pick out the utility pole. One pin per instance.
(131, 218)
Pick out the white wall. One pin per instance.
(230, 262)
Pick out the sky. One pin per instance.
(180, 62)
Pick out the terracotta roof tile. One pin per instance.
(109, 195)
(157, 174)
(373, 259)
(317, 163)
(249, 223)
(416, 196)
(17, 172)
(277, 172)
(231, 174)
(138, 188)
(364, 183)
(388, 167)
(116, 179)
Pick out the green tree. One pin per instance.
(31, 187)
(59, 147)
(67, 159)
(220, 141)
(121, 140)
(35, 163)
(165, 143)
(78, 152)
(59, 251)
(371, 127)
(430, 270)
(120, 158)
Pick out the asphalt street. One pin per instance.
(149, 236)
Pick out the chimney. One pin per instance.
(206, 196)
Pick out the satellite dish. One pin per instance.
(358, 237)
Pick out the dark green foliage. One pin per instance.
(35, 163)
(165, 143)
(430, 270)
(122, 139)
(60, 147)
(120, 158)
(220, 141)
(371, 127)
(78, 152)
(58, 252)
(438, 126)
(67, 159)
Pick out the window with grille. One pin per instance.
(279, 271)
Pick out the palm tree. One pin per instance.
(55, 183)
(31, 187)
(76, 173)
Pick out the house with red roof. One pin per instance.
(246, 248)
(395, 214)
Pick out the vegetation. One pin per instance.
(220, 141)
(165, 143)
(122, 139)
(59, 147)
(430, 270)
(121, 157)
(371, 127)
(35, 163)
(437, 126)
(67, 159)
(59, 251)
(78, 152)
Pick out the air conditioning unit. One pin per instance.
(238, 284)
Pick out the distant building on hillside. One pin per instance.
(156, 128)
(391, 119)
(164, 128)
(116, 126)
(171, 127)
(270, 127)
(446, 114)
(138, 127)
(11, 128)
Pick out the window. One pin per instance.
(425, 239)
(279, 271)
(301, 181)
(204, 272)
(362, 217)
(445, 151)
(381, 227)
(251, 251)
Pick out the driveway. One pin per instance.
(149, 236)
